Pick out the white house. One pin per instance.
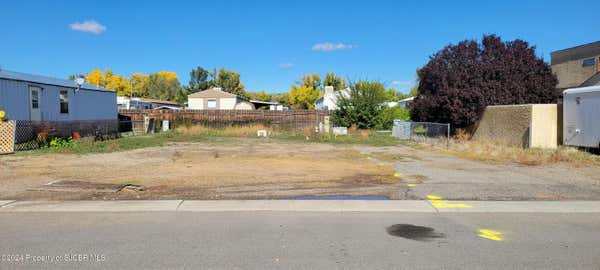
(405, 103)
(217, 99)
(329, 101)
(40, 98)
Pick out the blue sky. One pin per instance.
(273, 43)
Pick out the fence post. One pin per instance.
(448, 138)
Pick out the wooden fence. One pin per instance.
(293, 119)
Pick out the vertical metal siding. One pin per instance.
(14, 99)
(83, 105)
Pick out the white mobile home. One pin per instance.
(134, 103)
(39, 98)
(581, 113)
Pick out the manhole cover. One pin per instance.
(414, 232)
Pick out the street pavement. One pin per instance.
(299, 240)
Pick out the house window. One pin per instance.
(212, 103)
(64, 101)
(35, 99)
(589, 62)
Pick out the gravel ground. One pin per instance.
(269, 170)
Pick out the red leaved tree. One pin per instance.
(460, 80)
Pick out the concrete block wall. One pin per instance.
(527, 126)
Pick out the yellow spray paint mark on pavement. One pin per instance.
(434, 197)
(411, 185)
(437, 202)
(490, 235)
(397, 175)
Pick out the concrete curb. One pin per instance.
(91, 206)
(3, 203)
(304, 206)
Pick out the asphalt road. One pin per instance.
(298, 240)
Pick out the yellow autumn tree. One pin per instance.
(95, 77)
(303, 97)
(168, 75)
(139, 81)
(119, 84)
(109, 80)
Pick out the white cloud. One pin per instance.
(328, 47)
(90, 26)
(286, 65)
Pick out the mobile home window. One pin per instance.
(212, 103)
(35, 99)
(64, 101)
(589, 62)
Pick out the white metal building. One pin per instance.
(581, 116)
(127, 103)
(39, 98)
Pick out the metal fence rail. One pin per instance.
(31, 135)
(422, 131)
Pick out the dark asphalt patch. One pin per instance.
(414, 232)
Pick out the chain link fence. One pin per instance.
(422, 132)
(30, 135)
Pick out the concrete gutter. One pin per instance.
(526, 207)
(304, 206)
(307, 206)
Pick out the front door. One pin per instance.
(35, 94)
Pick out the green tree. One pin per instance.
(229, 81)
(161, 87)
(283, 98)
(331, 79)
(200, 79)
(362, 106)
(311, 81)
(260, 95)
(72, 77)
(385, 119)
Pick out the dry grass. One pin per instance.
(263, 167)
(234, 131)
(500, 152)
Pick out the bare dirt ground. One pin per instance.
(252, 169)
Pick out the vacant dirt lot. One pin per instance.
(255, 169)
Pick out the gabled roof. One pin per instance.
(264, 102)
(575, 53)
(158, 101)
(407, 99)
(594, 80)
(212, 93)
(24, 77)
